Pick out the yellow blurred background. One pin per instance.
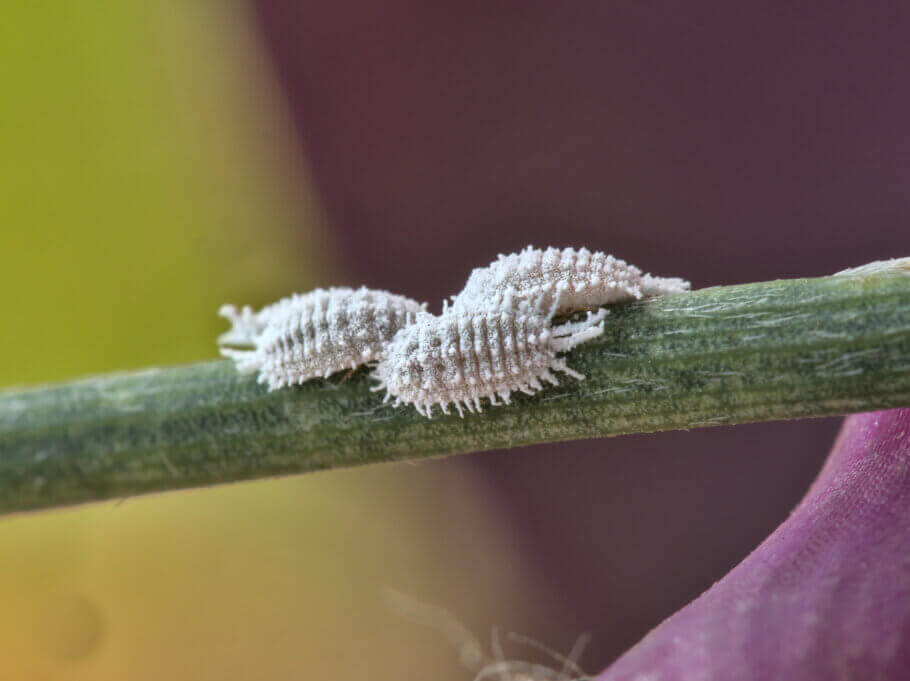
(148, 174)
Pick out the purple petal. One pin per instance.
(826, 596)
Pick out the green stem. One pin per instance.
(731, 354)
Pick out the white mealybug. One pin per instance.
(316, 333)
(581, 279)
(461, 357)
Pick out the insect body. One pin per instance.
(581, 279)
(496, 338)
(316, 333)
(462, 357)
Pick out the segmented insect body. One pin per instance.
(462, 357)
(579, 278)
(316, 333)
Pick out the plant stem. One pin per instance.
(724, 355)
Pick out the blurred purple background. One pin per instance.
(722, 142)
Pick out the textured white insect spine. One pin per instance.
(316, 333)
(462, 357)
(580, 278)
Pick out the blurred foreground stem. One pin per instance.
(731, 354)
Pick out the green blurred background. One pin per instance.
(148, 173)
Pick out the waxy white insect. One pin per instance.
(496, 337)
(584, 280)
(316, 333)
(462, 357)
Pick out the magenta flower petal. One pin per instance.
(826, 596)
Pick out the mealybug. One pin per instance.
(462, 357)
(316, 333)
(581, 279)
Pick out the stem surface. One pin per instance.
(732, 354)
